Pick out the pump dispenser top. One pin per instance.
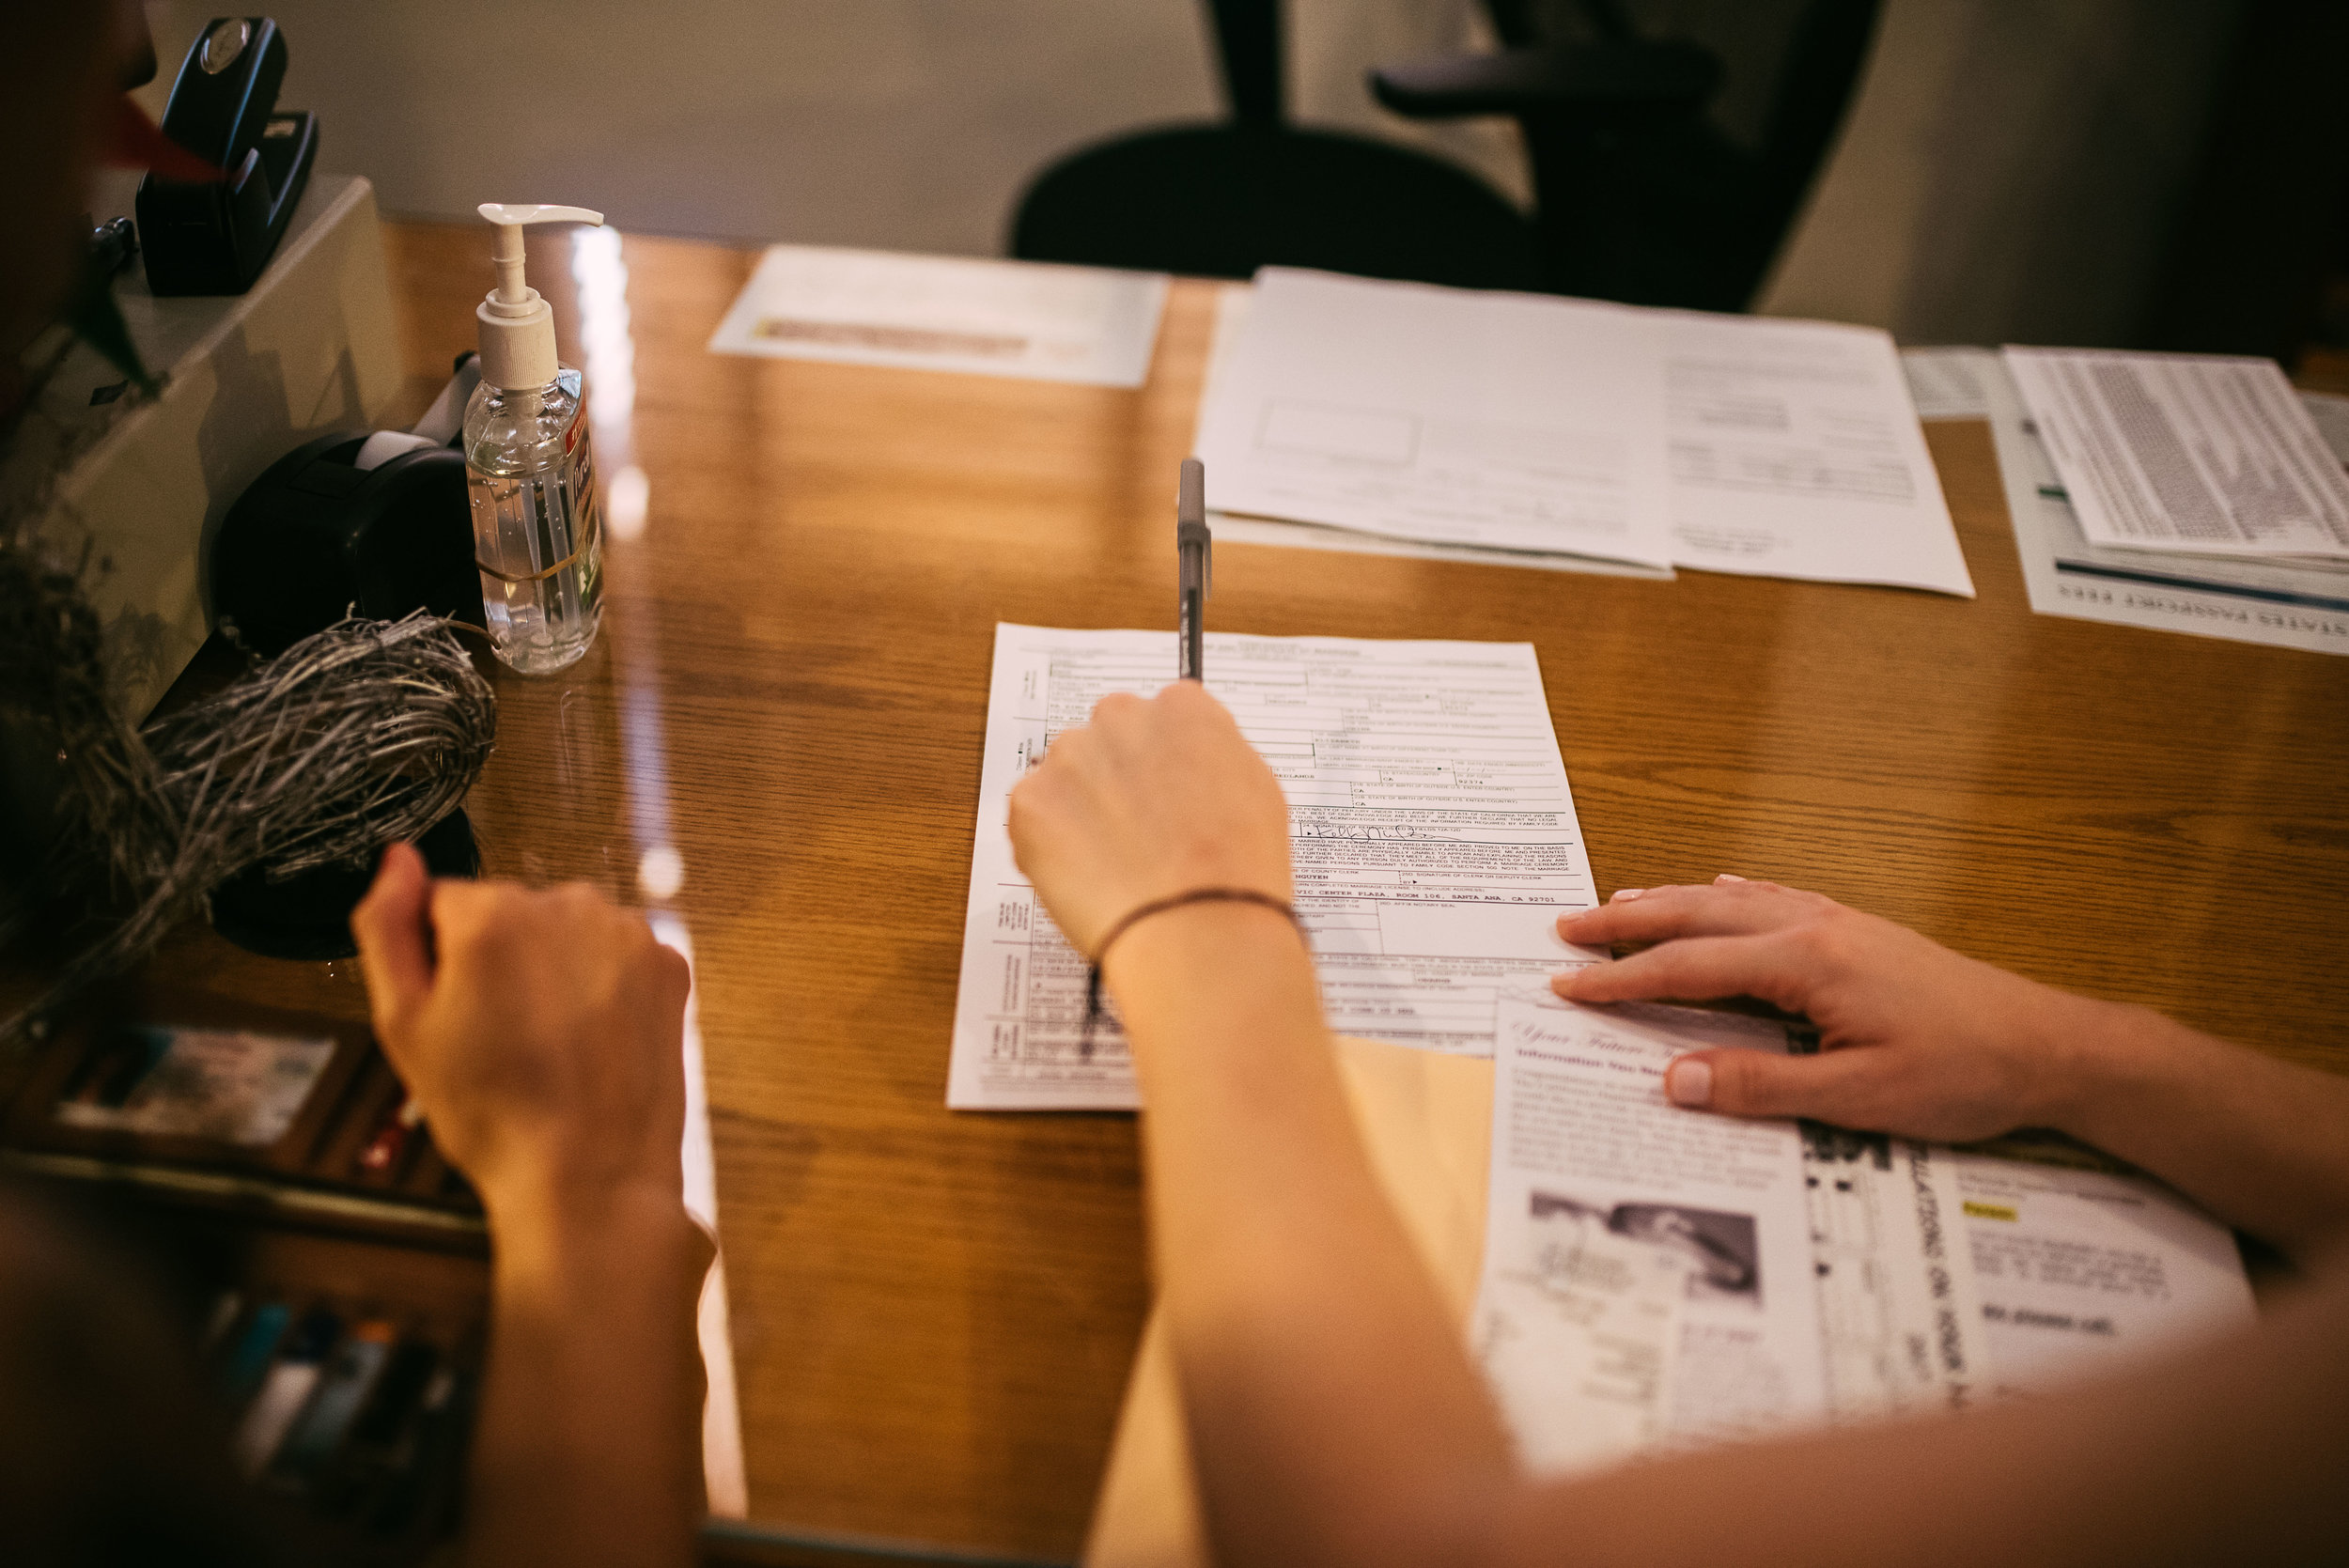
(517, 326)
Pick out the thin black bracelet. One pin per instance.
(1159, 907)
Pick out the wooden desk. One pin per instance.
(933, 1313)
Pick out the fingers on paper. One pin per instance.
(1695, 969)
(1730, 906)
(1845, 1087)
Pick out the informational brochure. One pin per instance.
(2293, 602)
(1035, 321)
(2082, 1262)
(1648, 1274)
(1482, 419)
(2194, 453)
(1431, 827)
(1655, 1277)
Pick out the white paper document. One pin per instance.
(1658, 1278)
(2186, 452)
(1898, 1309)
(1461, 417)
(2294, 603)
(1029, 320)
(1947, 384)
(1432, 828)
(1648, 1273)
(1519, 422)
(1232, 302)
(2082, 1264)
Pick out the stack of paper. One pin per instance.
(2193, 453)
(2297, 602)
(1519, 425)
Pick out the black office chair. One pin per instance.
(1638, 196)
(1223, 200)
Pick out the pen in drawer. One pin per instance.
(292, 1377)
(349, 1378)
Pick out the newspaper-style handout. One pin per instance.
(1432, 831)
(1898, 1310)
(2082, 1262)
(1655, 1278)
(1647, 1275)
(2186, 452)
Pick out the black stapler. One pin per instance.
(213, 237)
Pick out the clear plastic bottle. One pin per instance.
(536, 523)
(530, 468)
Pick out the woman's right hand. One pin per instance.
(1914, 1039)
(1156, 795)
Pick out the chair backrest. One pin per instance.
(1814, 87)
(1247, 41)
(1682, 213)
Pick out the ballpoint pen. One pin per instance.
(1196, 567)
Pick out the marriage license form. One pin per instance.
(1432, 829)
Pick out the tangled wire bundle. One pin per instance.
(365, 732)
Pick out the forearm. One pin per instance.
(2263, 1144)
(1334, 1413)
(588, 1446)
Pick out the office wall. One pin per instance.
(896, 123)
(2009, 170)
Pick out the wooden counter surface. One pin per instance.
(933, 1313)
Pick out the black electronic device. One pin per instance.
(215, 235)
(316, 538)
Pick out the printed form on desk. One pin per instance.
(1530, 423)
(1433, 832)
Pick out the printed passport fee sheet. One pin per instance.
(2294, 601)
(1519, 421)
(1433, 832)
(1035, 321)
(2186, 452)
(1654, 1278)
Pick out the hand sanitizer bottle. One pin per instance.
(536, 520)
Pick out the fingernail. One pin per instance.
(1625, 895)
(1728, 877)
(1688, 1083)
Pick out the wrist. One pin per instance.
(2092, 1053)
(1205, 954)
(541, 1229)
